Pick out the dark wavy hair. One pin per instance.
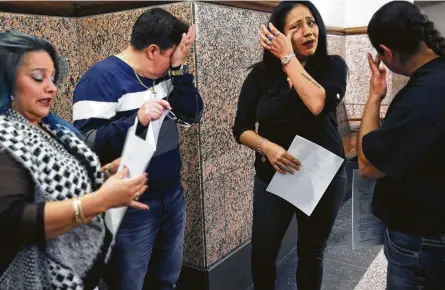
(271, 68)
(402, 27)
(13, 46)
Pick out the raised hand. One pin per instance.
(277, 43)
(180, 54)
(378, 84)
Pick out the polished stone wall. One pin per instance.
(217, 173)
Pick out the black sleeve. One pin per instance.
(21, 220)
(333, 81)
(185, 99)
(245, 118)
(401, 142)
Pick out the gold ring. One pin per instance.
(137, 195)
(107, 170)
(268, 43)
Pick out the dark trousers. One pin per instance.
(415, 262)
(149, 246)
(271, 218)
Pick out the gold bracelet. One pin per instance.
(76, 210)
(82, 216)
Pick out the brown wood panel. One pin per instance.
(73, 8)
(265, 6)
(333, 30)
(356, 30)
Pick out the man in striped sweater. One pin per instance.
(138, 83)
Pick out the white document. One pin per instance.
(136, 155)
(367, 229)
(305, 188)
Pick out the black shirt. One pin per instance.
(21, 220)
(281, 114)
(409, 149)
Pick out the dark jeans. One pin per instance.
(271, 218)
(415, 262)
(149, 246)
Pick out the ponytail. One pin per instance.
(433, 39)
(401, 26)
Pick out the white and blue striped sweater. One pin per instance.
(106, 101)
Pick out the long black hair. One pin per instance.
(401, 26)
(271, 65)
(13, 47)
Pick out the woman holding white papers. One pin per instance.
(293, 91)
(52, 193)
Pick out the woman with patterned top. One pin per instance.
(52, 195)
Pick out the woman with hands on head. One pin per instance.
(52, 194)
(293, 91)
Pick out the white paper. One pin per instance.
(136, 155)
(367, 229)
(305, 188)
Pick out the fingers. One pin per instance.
(192, 33)
(138, 205)
(374, 65)
(292, 159)
(291, 165)
(273, 29)
(164, 104)
(285, 166)
(116, 163)
(102, 169)
(291, 33)
(138, 182)
(122, 173)
(371, 62)
(266, 33)
(377, 61)
(264, 39)
(279, 169)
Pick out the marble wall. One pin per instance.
(227, 44)
(217, 173)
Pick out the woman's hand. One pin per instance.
(278, 44)
(111, 168)
(378, 85)
(281, 160)
(121, 191)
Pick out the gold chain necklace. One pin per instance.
(126, 60)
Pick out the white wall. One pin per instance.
(348, 13)
(435, 12)
(332, 11)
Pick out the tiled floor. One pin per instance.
(343, 267)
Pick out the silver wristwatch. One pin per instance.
(286, 59)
